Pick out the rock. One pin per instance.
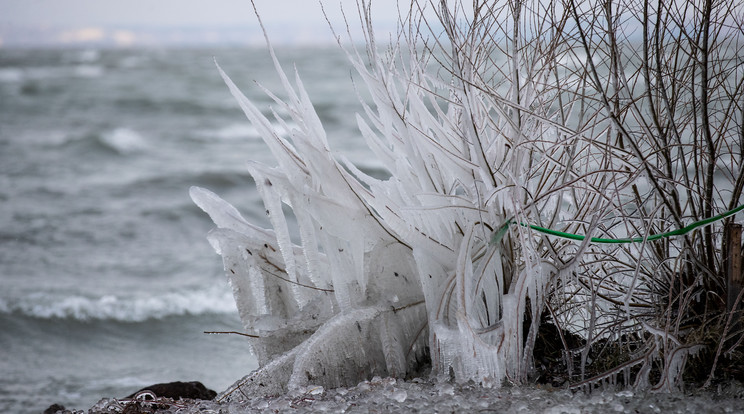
(194, 390)
(54, 408)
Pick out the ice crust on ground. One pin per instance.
(390, 395)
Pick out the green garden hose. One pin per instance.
(499, 234)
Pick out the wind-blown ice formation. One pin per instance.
(385, 268)
(482, 126)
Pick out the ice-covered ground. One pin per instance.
(388, 395)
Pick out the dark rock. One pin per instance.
(194, 390)
(54, 408)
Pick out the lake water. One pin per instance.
(107, 282)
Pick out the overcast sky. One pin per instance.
(91, 19)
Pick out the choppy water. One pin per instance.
(106, 279)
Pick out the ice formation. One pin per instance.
(483, 126)
(385, 268)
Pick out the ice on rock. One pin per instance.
(625, 394)
(446, 388)
(399, 395)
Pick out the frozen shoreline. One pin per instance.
(423, 395)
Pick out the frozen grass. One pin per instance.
(609, 119)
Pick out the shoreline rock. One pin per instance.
(193, 390)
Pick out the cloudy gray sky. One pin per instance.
(143, 21)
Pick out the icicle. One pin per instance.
(271, 187)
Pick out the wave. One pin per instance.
(122, 308)
(119, 140)
(11, 75)
(34, 73)
(123, 141)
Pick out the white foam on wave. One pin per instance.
(124, 140)
(11, 75)
(122, 308)
(36, 73)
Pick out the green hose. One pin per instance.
(499, 234)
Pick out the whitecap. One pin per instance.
(124, 140)
(11, 75)
(122, 307)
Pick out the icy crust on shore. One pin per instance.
(389, 395)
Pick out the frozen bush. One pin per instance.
(613, 120)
